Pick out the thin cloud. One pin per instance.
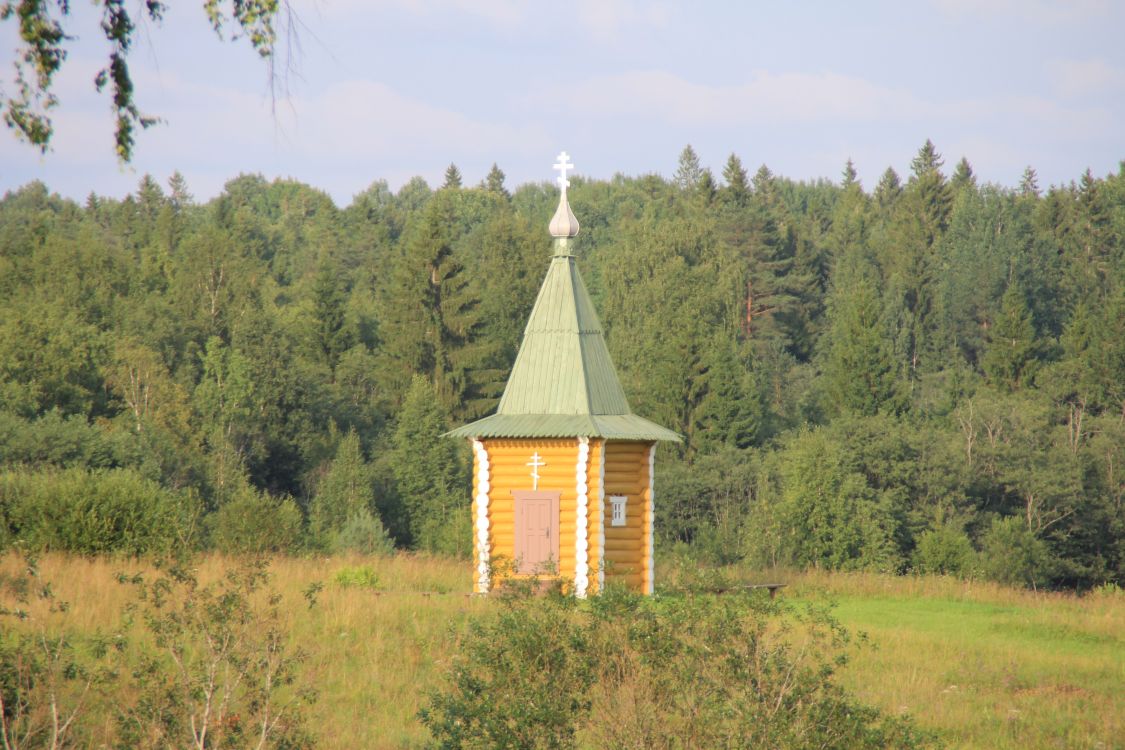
(1080, 78)
(365, 119)
(607, 20)
(767, 98)
(791, 98)
(1043, 12)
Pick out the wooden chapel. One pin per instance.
(563, 471)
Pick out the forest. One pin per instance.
(924, 376)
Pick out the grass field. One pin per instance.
(982, 665)
(986, 666)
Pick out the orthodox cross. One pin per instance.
(562, 166)
(535, 463)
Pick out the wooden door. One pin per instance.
(537, 532)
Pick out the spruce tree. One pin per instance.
(763, 183)
(928, 183)
(494, 182)
(888, 190)
(346, 491)
(707, 188)
(430, 476)
(1011, 357)
(768, 295)
(1029, 183)
(180, 197)
(860, 371)
(737, 189)
(452, 178)
(910, 258)
(329, 301)
(429, 312)
(732, 413)
(963, 176)
(849, 175)
(688, 172)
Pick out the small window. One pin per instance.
(617, 503)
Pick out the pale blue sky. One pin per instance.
(388, 89)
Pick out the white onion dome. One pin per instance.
(564, 223)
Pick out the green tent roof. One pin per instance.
(563, 383)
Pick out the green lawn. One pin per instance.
(1017, 671)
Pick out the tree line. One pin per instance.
(928, 375)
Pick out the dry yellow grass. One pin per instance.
(984, 665)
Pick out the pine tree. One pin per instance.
(494, 182)
(1011, 357)
(452, 178)
(737, 189)
(849, 175)
(430, 476)
(689, 172)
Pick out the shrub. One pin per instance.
(90, 512)
(47, 672)
(256, 522)
(1012, 554)
(222, 673)
(944, 550)
(362, 533)
(520, 681)
(681, 671)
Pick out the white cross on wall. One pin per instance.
(535, 463)
(562, 166)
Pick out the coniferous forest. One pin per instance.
(926, 374)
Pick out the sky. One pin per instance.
(391, 89)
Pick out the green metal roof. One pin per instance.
(563, 382)
(609, 426)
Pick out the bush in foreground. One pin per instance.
(684, 671)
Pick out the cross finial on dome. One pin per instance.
(563, 166)
(564, 225)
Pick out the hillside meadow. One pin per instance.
(978, 664)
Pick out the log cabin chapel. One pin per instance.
(563, 471)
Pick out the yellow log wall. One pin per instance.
(624, 557)
(509, 471)
(626, 550)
